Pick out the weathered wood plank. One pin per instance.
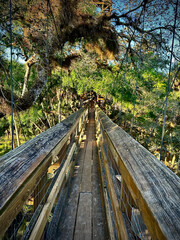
(21, 168)
(83, 228)
(154, 188)
(86, 184)
(65, 225)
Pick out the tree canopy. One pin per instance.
(77, 26)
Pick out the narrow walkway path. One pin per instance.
(83, 214)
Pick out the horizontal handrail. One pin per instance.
(154, 188)
(21, 168)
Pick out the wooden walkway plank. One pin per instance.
(82, 216)
(83, 229)
(86, 177)
(100, 230)
(65, 226)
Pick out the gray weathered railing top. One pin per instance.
(155, 188)
(17, 165)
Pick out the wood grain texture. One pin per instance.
(154, 188)
(83, 228)
(82, 216)
(18, 168)
(86, 184)
(64, 228)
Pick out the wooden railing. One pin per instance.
(136, 185)
(23, 172)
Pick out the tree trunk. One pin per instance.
(29, 64)
(17, 133)
(26, 78)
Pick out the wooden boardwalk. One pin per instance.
(83, 215)
(141, 195)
